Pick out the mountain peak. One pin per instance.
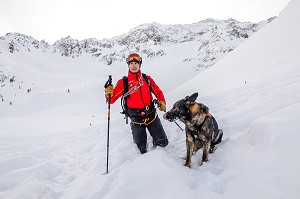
(214, 39)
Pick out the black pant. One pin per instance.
(156, 131)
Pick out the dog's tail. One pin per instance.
(217, 138)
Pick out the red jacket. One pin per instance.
(140, 96)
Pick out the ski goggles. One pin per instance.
(134, 59)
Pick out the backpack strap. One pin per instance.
(124, 99)
(147, 80)
(125, 83)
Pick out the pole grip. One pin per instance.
(109, 81)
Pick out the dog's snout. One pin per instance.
(169, 116)
(166, 116)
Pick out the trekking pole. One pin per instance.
(109, 81)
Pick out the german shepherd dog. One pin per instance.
(200, 126)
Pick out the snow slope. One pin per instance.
(60, 151)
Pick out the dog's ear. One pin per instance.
(193, 97)
(190, 99)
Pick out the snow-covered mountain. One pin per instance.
(53, 138)
(215, 38)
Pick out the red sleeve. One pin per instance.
(156, 91)
(118, 92)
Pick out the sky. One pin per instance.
(81, 19)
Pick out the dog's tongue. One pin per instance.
(165, 116)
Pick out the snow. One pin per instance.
(53, 142)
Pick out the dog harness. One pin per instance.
(195, 133)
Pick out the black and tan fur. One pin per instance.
(199, 127)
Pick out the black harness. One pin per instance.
(213, 127)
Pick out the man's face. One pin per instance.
(134, 67)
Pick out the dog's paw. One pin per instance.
(187, 164)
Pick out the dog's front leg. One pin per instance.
(206, 148)
(189, 150)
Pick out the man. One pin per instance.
(140, 105)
